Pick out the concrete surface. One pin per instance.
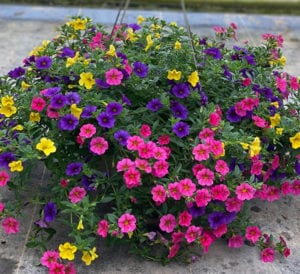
(23, 28)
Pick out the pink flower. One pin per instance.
(159, 194)
(76, 194)
(143, 165)
(281, 84)
(260, 122)
(214, 119)
(222, 167)
(87, 131)
(10, 225)
(286, 188)
(197, 168)
(98, 145)
(177, 237)
(253, 234)
(233, 204)
(145, 131)
(134, 142)
(103, 227)
(286, 252)
(192, 233)
(294, 84)
(2, 206)
(57, 268)
(173, 251)
(235, 241)
(206, 134)
(240, 109)
(185, 218)
(220, 230)
(49, 257)
(220, 192)
(256, 167)
(113, 77)
(160, 153)
(167, 223)
(275, 162)
(164, 139)
(206, 240)
(247, 82)
(295, 187)
(132, 177)
(127, 223)
(187, 187)
(146, 150)
(202, 197)
(4, 178)
(201, 152)
(38, 104)
(267, 255)
(216, 147)
(70, 268)
(52, 113)
(205, 177)
(124, 164)
(273, 193)
(160, 168)
(245, 191)
(174, 191)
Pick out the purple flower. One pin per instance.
(180, 90)
(232, 116)
(229, 217)
(216, 219)
(121, 136)
(196, 211)
(134, 26)
(179, 110)
(154, 105)
(227, 72)
(68, 122)
(105, 120)
(6, 158)
(88, 182)
(88, 111)
(16, 73)
(140, 69)
(114, 108)
(58, 101)
(297, 167)
(181, 129)
(73, 98)
(203, 99)
(43, 62)
(214, 52)
(250, 60)
(74, 169)
(125, 100)
(49, 92)
(50, 212)
(67, 52)
(101, 84)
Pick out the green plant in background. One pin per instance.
(148, 141)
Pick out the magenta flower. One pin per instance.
(253, 234)
(10, 225)
(233, 204)
(132, 177)
(167, 223)
(201, 152)
(267, 255)
(235, 241)
(203, 197)
(4, 178)
(185, 218)
(134, 142)
(125, 164)
(38, 104)
(103, 227)
(220, 192)
(159, 194)
(114, 77)
(76, 194)
(87, 131)
(192, 233)
(186, 187)
(295, 187)
(222, 167)
(205, 177)
(98, 145)
(174, 191)
(245, 191)
(127, 223)
(160, 168)
(49, 257)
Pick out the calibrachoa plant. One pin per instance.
(148, 141)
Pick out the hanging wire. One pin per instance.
(187, 25)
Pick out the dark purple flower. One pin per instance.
(203, 99)
(229, 217)
(68, 122)
(122, 56)
(121, 136)
(88, 111)
(232, 116)
(216, 219)
(49, 92)
(88, 182)
(154, 105)
(43, 62)
(250, 60)
(74, 169)
(180, 90)
(41, 223)
(105, 120)
(67, 52)
(179, 110)
(181, 129)
(214, 52)
(247, 73)
(6, 158)
(140, 69)
(101, 83)
(196, 211)
(227, 72)
(297, 167)
(73, 98)
(114, 108)
(50, 212)
(16, 73)
(125, 100)
(134, 26)
(203, 41)
(58, 101)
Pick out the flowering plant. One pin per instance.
(153, 136)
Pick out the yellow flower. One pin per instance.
(72, 60)
(89, 256)
(78, 24)
(131, 36)
(76, 111)
(34, 117)
(275, 120)
(244, 145)
(24, 85)
(275, 104)
(282, 60)
(255, 147)
(173, 24)
(15, 166)
(279, 130)
(157, 35)
(295, 141)
(86, 61)
(112, 51)
(67, 251)
(40, 48)
(193, 78)
(177, 45)
(149, 42)
(46, 145)
(140, 19)
(155, 27)
(174, 74)
(7, 101)
(8, 110)
(80, 225)
(87, 80)
(18, 127)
